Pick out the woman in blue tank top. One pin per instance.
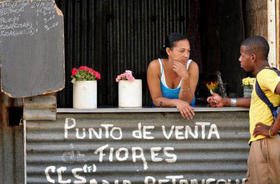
(172, 79)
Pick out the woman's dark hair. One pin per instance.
(170, 41)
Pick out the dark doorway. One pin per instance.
(115, 35)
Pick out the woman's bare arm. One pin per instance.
(189, 83)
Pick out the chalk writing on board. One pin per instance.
(15, 25)
(201, 130)
(44, 8)
(75, 171)
(109, 131)
(16, 33)
(105, 131)
(49, 27)
(12, 8)
(157, 154)
(9, 20)
(47, 19)
(73, 155)
(109, 153)
(15, 21)
(174, 179)
(48, 13)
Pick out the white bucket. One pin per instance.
(247, 91)
(130, 93)
(85, 94)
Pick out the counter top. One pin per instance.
(147, 109)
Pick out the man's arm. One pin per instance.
(217, 101)
(266, 130)
(276, 125)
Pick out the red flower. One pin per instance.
(96, 74)
(85, 73)
(83, 68)
(90, 70)
(74, 71)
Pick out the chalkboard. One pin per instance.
(31, 48)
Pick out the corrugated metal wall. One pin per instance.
(115, 35)
(223, 159)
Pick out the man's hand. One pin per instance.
(215, 100)
(185, 109)
(262, 129)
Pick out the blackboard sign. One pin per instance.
(31, 48)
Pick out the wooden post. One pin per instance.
(271, 28)
(277, 34)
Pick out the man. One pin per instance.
(264, 157)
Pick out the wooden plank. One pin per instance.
(277, 34)
(271, 36)
(8, 144)
(11, 146)
(2, 159)
(31, 48)
(256, 18)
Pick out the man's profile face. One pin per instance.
(245, 59)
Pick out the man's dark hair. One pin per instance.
(257, 45)
(170, 41)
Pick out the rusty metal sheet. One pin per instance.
(31, 48)
(126, 148)
(40, 107)
(11, 148)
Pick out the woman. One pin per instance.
(172, 79)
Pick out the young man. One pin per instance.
(264, 157)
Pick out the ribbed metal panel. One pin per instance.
(115, 35)
(40, 107)
(221, 159)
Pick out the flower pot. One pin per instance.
(85, 94)
(130, 93)
(247, 90)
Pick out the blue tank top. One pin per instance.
(169, 92)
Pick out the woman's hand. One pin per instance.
(215, 100)
(185, 109)
(180, 69)
(262, 129)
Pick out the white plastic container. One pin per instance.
(247, 91)
(85, 94)
(130, 93)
